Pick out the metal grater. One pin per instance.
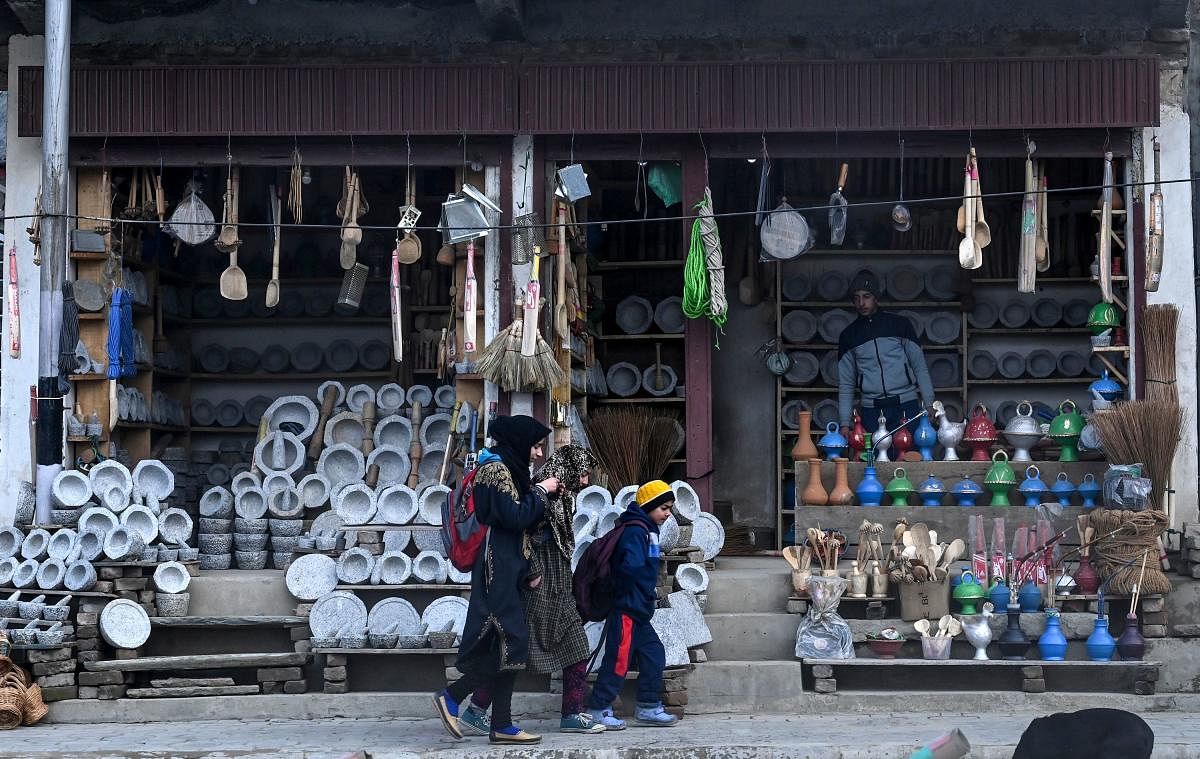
(353, 282)
(527, 233)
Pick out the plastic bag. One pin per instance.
(823, 634)
(1126, 488)
(192, 221)
(666, 179)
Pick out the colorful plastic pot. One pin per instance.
(1103, 316)
(1032, 489)
(931, 492)
(969, 592)
(870, 490)
(1089, 490)
(925, 437)
(832, 443)
(900, 488)
(980, 434)
(1106, 387)
(1000, 479)
(1063, 489)
(1100, 644)
(966, 491)
(1065, 431)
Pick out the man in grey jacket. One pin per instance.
(880, 358)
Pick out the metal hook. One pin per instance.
(704, 149)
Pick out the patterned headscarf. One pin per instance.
(569, 464)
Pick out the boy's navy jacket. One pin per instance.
(635, 565)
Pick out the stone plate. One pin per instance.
(312, 576)
(393, 612)
(171, 577)
(447, 610)
(708, 535)
(337, 612)
(124, 624)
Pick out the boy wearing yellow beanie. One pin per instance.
(629, 637)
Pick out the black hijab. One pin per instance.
(514, 436)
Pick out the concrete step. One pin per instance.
(746, 686)
(749, 585)
(240, 592)
(752, 636)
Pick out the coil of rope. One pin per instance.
(704, 272)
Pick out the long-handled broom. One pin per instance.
(518, 358)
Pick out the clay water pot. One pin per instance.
(804, 449)
(1087, 581)
(814, 492)
(1131, 645)
(980, 434)
(841, 495)
(902, 439)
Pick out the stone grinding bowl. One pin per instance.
(943, 370)
(250, 541)
(345, 428)
(230, 413)
(429, 567)
(167, 554)
(624, 379)
(276, 481)
(444, 397)
(115, 500)
(7, 567)
(9, 609)
(213, 359)
(61, 544)
(65, 517)
(454, 576)
(984, 315)
(218, 474)
(285, 528)
(799, 326)
(833, 322)
(285, 503)
(152, 479)
(23, 637)
(353, 641)
(171, 577)
(431, 463)
(123, 543)
(326, 542)
(71, 489)
(339, 392)
(11, 540)
(1071, 363)
(982, 364)
(280, 544)
(395, 431)
(383, 641)
(215, 561)
(429, 504)
(634, 315)
(668, 534)
(357, 396)
(56, 612)
(281, 559)
(210, 526)
(396, 504)
(31, 609)
(298, 409)
(243, 480)
(188, 554)
(251, 559)
(1014, 314)
(214, 544)
(172, 604)
(175, 526)
(593, 498)
(393, 464)
(307, 357)
(429, 540)
(216, 503)
(394, 568)
(355, 504)
(252, 526)
(81, 576)
(341, 355)
(251, 504)
(144, 521)
(109, 474)
(374, 355)
(1075, 312)
(650, 379)
(306, 541)
(275, 359)
(91, 544)
(50, 574)
(943, 327)
(420, 395)
(1046, 312)
(832, 285)
(354, 566)
(625, 496)
(390, 398)
(442, 640)
(49, 637)
(1041, 363)
(254, 408)
(412, 641)
(341, 464)
(668, 315)
(150, 554)
(313, 491)
(692, 578)
(204, 414)
(279, 453)
(331, 642)
(608, 520)
(1011, 365)
(584, 523)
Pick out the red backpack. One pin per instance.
(462, 532)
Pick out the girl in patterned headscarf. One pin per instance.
(556, 638)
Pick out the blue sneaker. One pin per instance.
(607, 718)
(580, 723)
(474, 721)
(447, 710)
(653, 715)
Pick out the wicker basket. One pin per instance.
(35, 708)
(11, 707)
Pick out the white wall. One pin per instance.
(1178, 287)
(24, 167)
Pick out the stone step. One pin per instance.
(752, 636)
(738, 586)
(240, 592)
(746, 686)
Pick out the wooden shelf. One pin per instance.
(286, 321)
(641, 400)
(376, 527)
(882, 304)
(87, 377)
(1036, 381)
(648, 338)
(790, 389)
(221, 430)
(93, 315)
(1029, 331)
(829, 346)
(288, 376)
(632, 265)
(122, 424)
(1111, 349)
(407, 586)
(427, 309)
(876, 252)
(386, 651)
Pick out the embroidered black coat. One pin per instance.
(496, 613)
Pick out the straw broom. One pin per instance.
(1157, 329)
(503, 363)
(633, 445)
(1145, 432)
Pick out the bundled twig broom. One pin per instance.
(633, 444)
(502, 362)
(1157, 328)
(1142, 432)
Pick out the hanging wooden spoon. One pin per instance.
(273, 286)
(983, 233)
(351, 234)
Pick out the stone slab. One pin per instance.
(59, 693)
(49, 655)
(191, 682)
(199, 661)
(188, 692)
(295, 686)
(693, 631)
(101, 678)
(52, 681)
(53, 667)
(665, 623)
(278, 674)
(278, 620)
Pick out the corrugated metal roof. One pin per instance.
(604, 98)
(847, 96)
(280, 100)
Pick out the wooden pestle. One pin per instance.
(368, 442)
(318, 437)
(415, 451)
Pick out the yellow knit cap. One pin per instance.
(653, 491)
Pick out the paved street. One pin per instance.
(881, 736)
